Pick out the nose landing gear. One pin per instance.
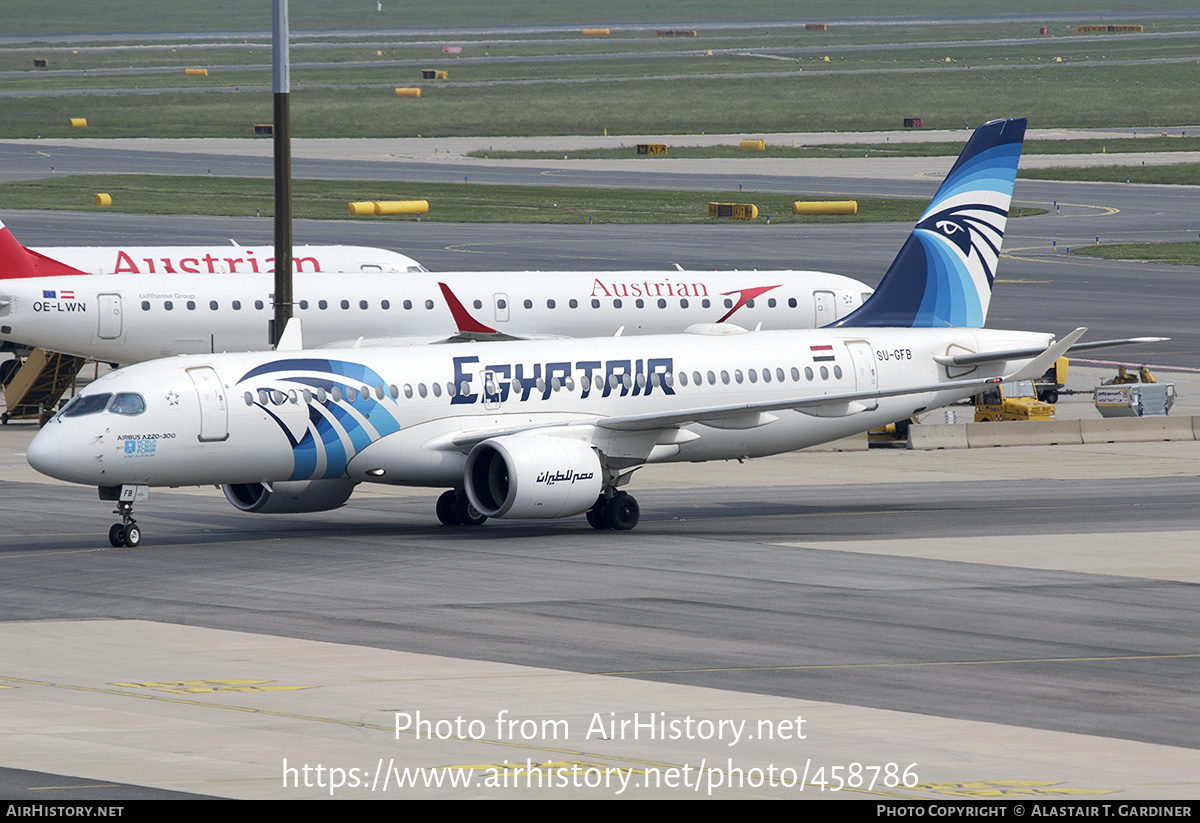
(125, 533)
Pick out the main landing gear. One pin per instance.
(454, 509)
(125, 533)
(619, 512)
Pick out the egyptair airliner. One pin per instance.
(548, 429)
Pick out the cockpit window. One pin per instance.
(86, 404)
(127, 403)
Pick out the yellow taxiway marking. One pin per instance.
(390, 729)
(1007, 788)
(1105, 211)
(212, 686)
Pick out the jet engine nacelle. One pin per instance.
(290, 497)
(532, 477)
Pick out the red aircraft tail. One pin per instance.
(18, 261)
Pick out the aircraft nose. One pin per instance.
(45, 452)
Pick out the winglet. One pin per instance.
(465, 322)
(944, 272)
(18, 261)
(292, 338)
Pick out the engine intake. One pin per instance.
(290, 497)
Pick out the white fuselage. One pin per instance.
(231, 259)
(409, 415)
(130, 318)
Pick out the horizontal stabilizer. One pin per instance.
(980, 358)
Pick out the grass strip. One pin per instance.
(1181, 254)
(1185, 174)
(898, 149)
(456, 203)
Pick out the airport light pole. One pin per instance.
(282, 132)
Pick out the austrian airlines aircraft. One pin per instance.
(537, 429)
(144, 312)
(231, 259)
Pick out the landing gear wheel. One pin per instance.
(447, 512)
(125, 533)
(467, 514)
(597, 517)
(131, 534)
(454, 509)
(623, 512)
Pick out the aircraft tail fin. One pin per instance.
(18, 261)
(943, 274)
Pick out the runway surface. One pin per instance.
(1017, 620)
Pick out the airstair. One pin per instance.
(38, 384)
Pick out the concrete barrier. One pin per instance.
(1137, 429)
(1020, 433)
(408, 92)
(753, 145)
(79, 122)
(1053, 432)
(196, 72)
(937, 436)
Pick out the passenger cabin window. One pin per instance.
(237, 305)
(258, 304)
(145, 305)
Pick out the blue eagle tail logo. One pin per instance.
(944, 272)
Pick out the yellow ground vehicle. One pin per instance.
(1015, 400)
(1054, 379)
